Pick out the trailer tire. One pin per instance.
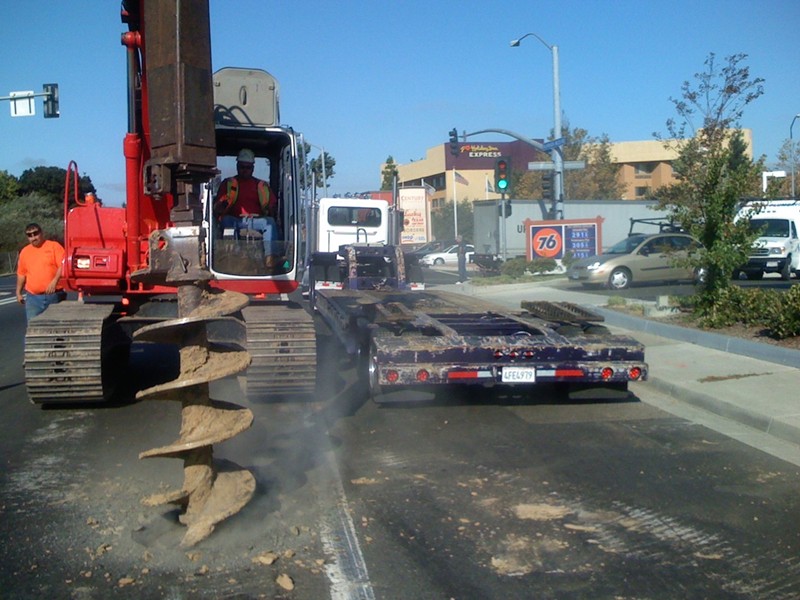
(375, 390)
(569, 330)
(599, 330)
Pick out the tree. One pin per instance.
(9, 186)
(388, 174)
(599, 180)
(713, 173)
(442, 223)
(786, 157)
(49, 182)
(30, 208)
(313, 169)
(316, 168)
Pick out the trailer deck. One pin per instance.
(434, 337)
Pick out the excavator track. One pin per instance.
(70, 351)
(281, 340)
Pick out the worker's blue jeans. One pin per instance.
(264, 225)
(35, 304)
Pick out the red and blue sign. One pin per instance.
(553, 239)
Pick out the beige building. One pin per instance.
(646, 165)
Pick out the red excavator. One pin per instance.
(163, 269)
(185, 128)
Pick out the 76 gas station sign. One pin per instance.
(553, 239)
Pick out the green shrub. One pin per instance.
(616, 301)
(568, 259)
(514, 267)
(785, 320)
(542, 265)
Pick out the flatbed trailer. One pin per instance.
(433, 338)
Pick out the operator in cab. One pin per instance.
(246, 202)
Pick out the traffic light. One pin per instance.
(51, 100)
(502, 175)
(454, 142)
(547, 186)
(504, 209)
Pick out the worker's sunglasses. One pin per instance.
(33, 233)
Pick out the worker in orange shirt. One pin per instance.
(38, 272)
(246, 202)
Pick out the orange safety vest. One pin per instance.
(233, 194)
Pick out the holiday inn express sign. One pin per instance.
(480, 150)
(482, 155)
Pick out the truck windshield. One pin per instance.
(354, 216)
(770, 227)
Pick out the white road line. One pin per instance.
(347, 572)
(11, 300)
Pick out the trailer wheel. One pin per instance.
(594, 329)
(375, 389)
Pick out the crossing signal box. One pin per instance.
(504, 209)
(547, 186)
(51, 101)
(454, 142)
(502, 175)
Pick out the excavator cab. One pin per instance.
(246, 116)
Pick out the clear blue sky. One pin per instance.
(371, 79)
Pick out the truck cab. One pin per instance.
(777, 249)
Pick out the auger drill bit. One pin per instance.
(210, 493)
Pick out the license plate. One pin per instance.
(518, 375)
(772, 263)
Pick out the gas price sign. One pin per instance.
(553, 239)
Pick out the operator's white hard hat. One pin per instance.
(246, 156)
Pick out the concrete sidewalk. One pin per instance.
(757, 385)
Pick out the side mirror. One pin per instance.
(645, 251)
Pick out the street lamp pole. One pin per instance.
(558, 184)
(791, 151)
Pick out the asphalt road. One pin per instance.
(475, 494)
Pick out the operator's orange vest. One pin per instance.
(233, 194)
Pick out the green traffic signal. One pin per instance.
(502, 174)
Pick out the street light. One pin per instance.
(558, 187)
(791, 147)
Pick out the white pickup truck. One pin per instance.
(777, 249)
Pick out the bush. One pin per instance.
(542, 265)
(785, 321)
(514, 267)
(778, 313)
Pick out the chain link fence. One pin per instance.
(8, 262)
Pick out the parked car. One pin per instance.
(447, 257)
(638, 258)
(434, 246)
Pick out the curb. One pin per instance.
(755, 420)
(707, 339)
